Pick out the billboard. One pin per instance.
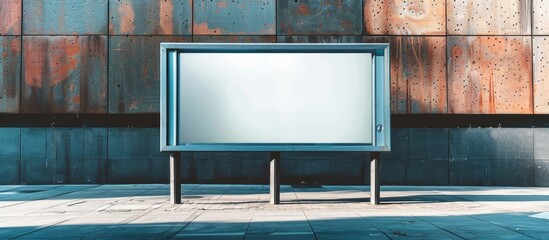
(274, 97)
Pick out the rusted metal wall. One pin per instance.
(453, 57)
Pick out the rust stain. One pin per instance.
(4, 54)
(10, 14)
(33, 62)
(303, 9)
(222, 4)
(203, 28)
(405, 17)
(127, 18)
(64, 58)
(166, 16)
(76, 99)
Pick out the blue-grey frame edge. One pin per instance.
(380, 51)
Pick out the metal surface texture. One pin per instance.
(169, 106)
(412, 17)
(160, 17)
(65, 17)
(489, 17)
(418, 73)
(10, 17)
(328, 17)
(243, 17)
(10, 77)
(489, 75)
(134, 85)
(540, 47)
(234, 39)
(540, 13)
(64, 74)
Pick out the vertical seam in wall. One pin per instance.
(107, 159)
(447, 84)
(20, 96)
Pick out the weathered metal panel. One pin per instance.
(145, 143)
(65, 143)
(134, 85)
(65, 17)
(427, 172)
(419, 144)
(10, 77)
(10, 17)
(37, 171)
(244, 17)
(541, 173)
(489, 75)
(158, 17)
(330, 17)
(541, 143)
(489, 17)
(541, 79)
(470, 172)
(9, 172)
(128, 170)
(517, 172)
(412, 17)
(235, 39)
(418, 73)
(10, 142)
(119, 143)
(540, 14)
(34, 140)
(95, 143)
(159, 172)
(64, 74)
(319, 39)
(397, 170)
(94, 170)
(491, 143)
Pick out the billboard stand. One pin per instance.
(274, 183)
(375, 177)
(175, 180)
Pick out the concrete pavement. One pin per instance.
(242, 212)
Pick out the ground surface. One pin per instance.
(243, 212)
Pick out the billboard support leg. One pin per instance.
(274, 187)
(375, 177)
(175, 180)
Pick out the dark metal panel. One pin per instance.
(95, 142)
(489, 75)
(321, 155)
(235, 39)
(146, 143)
(10, 17)
(427, 172)
(33, 142)
(489, 17)
(119, 143)
(330, 17)
(393, 172)
(319, 39)
(541, 173)
(305, 171)
(539, 17)
(37, 171)
(470, 172)
(134, 85)
(159, 17)
(244, 17)
(541, 143)
(9, 172)
(517, 172)
(10, 143)
(64, 74)
(418, 143)
(346, 171)
(65, 143)
(10, 77)
(492, 143)
(94, 170)
(65, 17)
(418, 73)
(541, 68)
(413, 17)
(160, 168)
(128, 170)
